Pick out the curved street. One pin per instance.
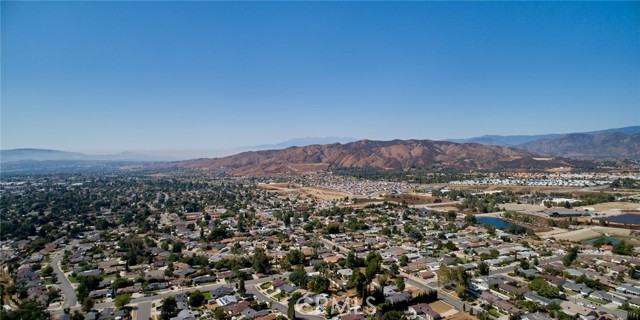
(70, 299)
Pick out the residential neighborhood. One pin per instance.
(260, 250)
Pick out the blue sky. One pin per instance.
(112, 76)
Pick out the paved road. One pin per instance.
(70, 299)
(617, 312)
(144, 311)
(441, 295)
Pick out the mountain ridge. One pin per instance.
(614, 145)
(300, 142)
(35, 154)
(393, 154)
(515, 140)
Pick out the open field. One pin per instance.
(410, 199)
(587, 233)
(551, 233)
(320, 193)
(614, 206)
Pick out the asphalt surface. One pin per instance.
(70, 299)
(144, 311)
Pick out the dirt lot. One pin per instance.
(320, 193)
(440, 307)
(590, 233)
(615, 205)
(462, 316)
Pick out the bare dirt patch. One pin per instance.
(615, 205)
(440, 307)
(592, 232)
(462, 316)
(320, 193)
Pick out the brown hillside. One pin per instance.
(396, 154)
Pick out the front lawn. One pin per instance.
(598, 301)
(494, 313)
(280, 296)
(265, 286)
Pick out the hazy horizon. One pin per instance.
(183, 154)
(204, 77)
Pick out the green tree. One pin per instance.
(122, 300)
(318, 284)
(404, 260)
(28, 310)
(87, 304)
(333, 228)
(291, 311)
(373, 265)
(241, 287)
(261, 262)
(177, 247)
(394, 270)
(358, 281)
(295, 257)
(393, 315)
(400, 283)
(196, 298)
(220, 314)
(46, 271)
(76, 316)
(543, 288)
(483, 268)
(299, 277)
(571, 256)
(470, 218)
(169, 308)
(623, 248)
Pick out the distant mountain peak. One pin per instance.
(301, 142)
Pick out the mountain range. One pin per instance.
(516, 140)
(580, 146)
(300, 142)
(33, 154)
(314, 154)
(395, 154)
